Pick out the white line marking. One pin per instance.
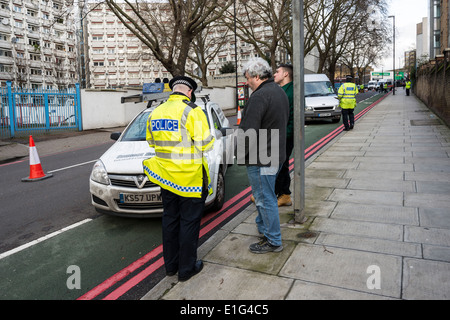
(70, 167)
(51, 235)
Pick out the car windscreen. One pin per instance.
(319, 89)
(137, 129)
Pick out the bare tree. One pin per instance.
(315, 22)
(169, 28)
(206, 45)
(262, 24)
(342, 34)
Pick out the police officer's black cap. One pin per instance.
(183, 80)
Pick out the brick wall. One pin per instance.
(432, 86)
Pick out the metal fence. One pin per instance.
(26, 111)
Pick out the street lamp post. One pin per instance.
(299, 111)
(236, 60)
(393, 17)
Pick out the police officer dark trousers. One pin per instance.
(181, 228)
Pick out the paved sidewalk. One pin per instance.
(378, 208)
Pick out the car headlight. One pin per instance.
(308, 108)
(99, 173)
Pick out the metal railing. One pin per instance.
(26, 111)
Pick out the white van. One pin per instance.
(320, 99)
(372, 85)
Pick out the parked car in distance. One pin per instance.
(118, 185)
(372, 85)
(320, 99)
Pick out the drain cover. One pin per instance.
(425, 122)
(307, 235)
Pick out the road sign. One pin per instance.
(380, 74)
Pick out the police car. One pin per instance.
(118, 184)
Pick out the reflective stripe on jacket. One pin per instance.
(180, 134)
(347, 95)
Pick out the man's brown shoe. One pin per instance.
(284, 200)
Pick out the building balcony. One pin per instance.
(5, 44)
(6, 60)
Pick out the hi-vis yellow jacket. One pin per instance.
(179, 132)
(347, 95)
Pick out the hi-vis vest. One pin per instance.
(179, 132)
(408, 84)
(347, 95)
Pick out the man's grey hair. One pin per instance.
(258, 67)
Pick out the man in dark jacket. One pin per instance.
(262, 148)
(283, 76)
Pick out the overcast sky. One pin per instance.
(408, 13)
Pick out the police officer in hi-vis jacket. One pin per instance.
(178, 131)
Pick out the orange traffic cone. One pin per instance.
(239, 115)
(36, 172)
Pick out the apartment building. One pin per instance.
(38, 45)
(439, 14)
(117, 58)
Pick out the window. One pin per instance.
(35, 71)
(216, 121)
(4, 68)
(33, 42)
(32, 28)
(5, 53)
(99, 64)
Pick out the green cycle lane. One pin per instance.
(106, 245)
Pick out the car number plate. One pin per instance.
(140, 198)
(324, 114)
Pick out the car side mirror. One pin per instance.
(115, 135)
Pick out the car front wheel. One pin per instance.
(220, 192)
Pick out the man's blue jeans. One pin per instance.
(262, 181)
